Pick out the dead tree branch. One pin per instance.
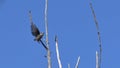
(97, 64)
(98, 32)
(68, 65)
(46, 29)
(57, 52)
(78, 61)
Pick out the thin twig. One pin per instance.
(46, 21)
(97, 64)
(46, 27)
(78, 61)
(57, 51)
(68, 65)
(99, 38)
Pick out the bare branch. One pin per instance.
(99, 38)
(68, 65)
(46, 21)
(78, 61)
(57, 52)
(97, 64)
(46, 27)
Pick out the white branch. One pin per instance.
(46, 27)
(46, 22)
(78, 61)
(57, 52)
(68, 65)
(97, 63)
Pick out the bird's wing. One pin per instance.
(34, 30)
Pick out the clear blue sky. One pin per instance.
(71, 20)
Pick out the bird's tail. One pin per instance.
(43, 44)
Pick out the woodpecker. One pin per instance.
(35, 32)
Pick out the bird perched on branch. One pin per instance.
(35, 32)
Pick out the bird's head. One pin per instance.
(41, 34)
(39, 37)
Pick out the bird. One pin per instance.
(35, 32)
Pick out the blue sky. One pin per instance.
(71, 20)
